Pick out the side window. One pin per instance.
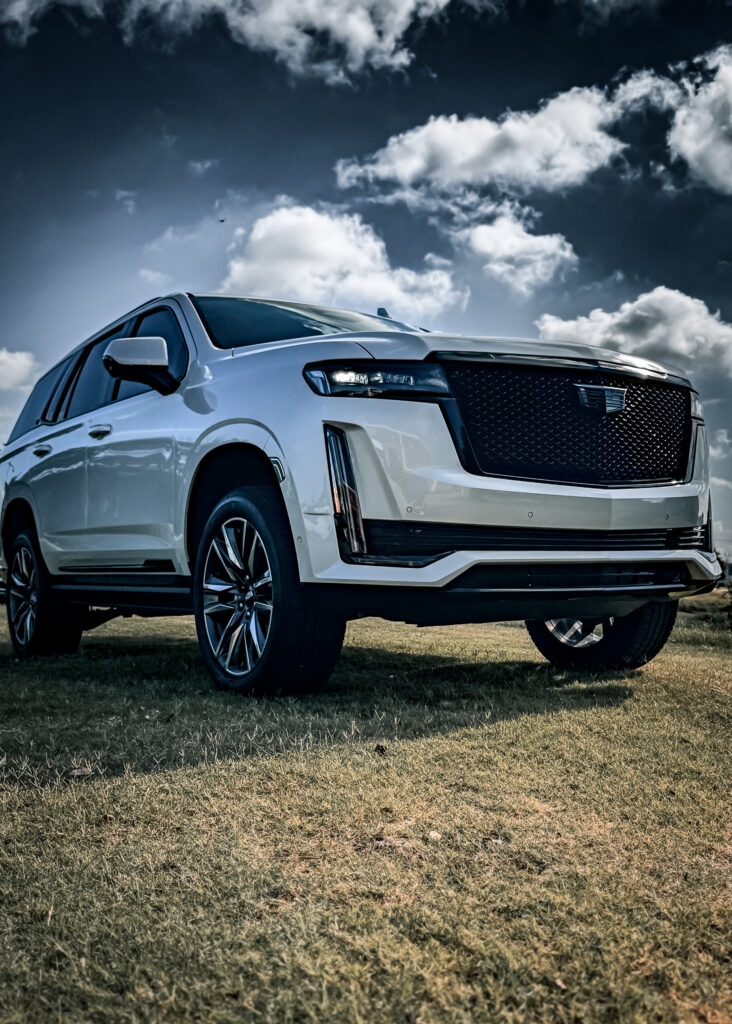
(33, 410)
(58, 398)
(93, 386)
(59, 408)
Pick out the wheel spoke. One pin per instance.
(234, 644)
(19, 613)
(263, 581)
(576, 632)
(26, 624)
(229, 538)
(226, 634)
(223, 557)
(256, 634)
(251, 562)
(217, 598)
(245, 642)
(218, 608)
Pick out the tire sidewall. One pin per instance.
(629, 643)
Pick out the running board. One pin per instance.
(141, 592)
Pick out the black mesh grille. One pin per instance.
(403, 539)
(529, 422)
(572, 577)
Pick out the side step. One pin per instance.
(143, 592)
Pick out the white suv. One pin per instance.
(279, 468)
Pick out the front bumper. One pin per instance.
(407, 471)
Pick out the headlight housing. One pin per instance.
(697, 411)
(377, 380)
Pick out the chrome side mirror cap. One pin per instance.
(142, 360)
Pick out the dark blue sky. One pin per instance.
(200, 154)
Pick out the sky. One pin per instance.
(531, 168)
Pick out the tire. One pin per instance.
(39, 621)
(619, 643)
(259, 628)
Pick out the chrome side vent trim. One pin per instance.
(278, 468)
(345, 496)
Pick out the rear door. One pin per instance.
(48, 466)
(131, 462)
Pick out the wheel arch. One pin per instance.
(18, 513)
(220, 471)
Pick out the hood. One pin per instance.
(403, 345)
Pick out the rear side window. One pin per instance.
(64, 381)
(38, 400)
(93, 387)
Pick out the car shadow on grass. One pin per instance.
(148, 705)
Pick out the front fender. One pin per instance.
(231, 433)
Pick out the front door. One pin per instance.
(131, 463)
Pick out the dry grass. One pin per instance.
(451, 832)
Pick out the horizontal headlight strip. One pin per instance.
(361, 379)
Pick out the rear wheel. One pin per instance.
(259, 628)
(625, 642)
(38, 620)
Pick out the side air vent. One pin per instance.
(345, 496)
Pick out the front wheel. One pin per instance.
(625, 642)
(259, 628)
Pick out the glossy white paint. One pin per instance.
(123, 498)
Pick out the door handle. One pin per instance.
(42, 450)
(100, 430)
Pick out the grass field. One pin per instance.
(452, 831)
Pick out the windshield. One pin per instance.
(232, 323)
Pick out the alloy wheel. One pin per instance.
(237, 596)
(578, 632)
(23, 596)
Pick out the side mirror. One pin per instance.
(142, 360)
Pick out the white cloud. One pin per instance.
(515, 257)
(701, 132)
(718, 481)
(606, 8)
(552, 148)
(661, 324)
(200, 167)
(335, 258)
(556, 146)
(127, 199)
(18, 371)
(720, 446)
(332, 38)
(155, 278)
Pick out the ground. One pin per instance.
(451, 832)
